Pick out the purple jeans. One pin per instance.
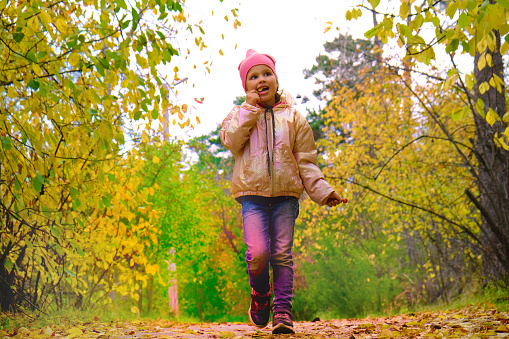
(268, 232)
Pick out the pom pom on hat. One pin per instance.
(254, 58)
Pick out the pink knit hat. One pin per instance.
(254, 58)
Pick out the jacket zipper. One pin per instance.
(271, 153)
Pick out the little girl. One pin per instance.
(275, 160)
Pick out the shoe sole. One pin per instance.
(259, 326)
(282, 329)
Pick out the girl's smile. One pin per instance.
(261, 79)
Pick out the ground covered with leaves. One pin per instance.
(467, 322)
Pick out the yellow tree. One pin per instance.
(475, 28)
(72, 74)
(396, 150)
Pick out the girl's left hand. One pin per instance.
(334, 199)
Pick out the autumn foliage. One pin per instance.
(77, 220)
(99, 208)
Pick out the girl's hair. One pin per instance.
(277, 96)
(283, 95)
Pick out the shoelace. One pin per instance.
(260, 306)
(285, 316)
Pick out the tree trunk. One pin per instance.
(493, 200)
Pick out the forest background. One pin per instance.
(99, 215)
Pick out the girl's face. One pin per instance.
(262, 80)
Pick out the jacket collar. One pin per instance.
(280, 104)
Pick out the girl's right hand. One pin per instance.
(252, 97)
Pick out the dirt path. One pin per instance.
(465, 323)
(469, 322)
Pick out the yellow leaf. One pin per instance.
(198, 120)
(61, 25)
(135, 309)
(484, 87)
(404, 10)
(469, 81)
(10, 92)
(386, 333)
(489, 59)
(482, 62)
(33, 23)
(74, 59)
(45, 17)
(75, 332)
(144, 137)
(36, 68)
(156, 159)
(502, 328)
(141, 61)
(504, 48)
(491, 116)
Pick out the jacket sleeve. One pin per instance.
(305, 154)
(236, 127)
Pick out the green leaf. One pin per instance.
(121, 4)
(137, 115)
(451, 47)
(463, 20)
(37, 182)
(80, 251)
(451, 9)
(135, 19)
(144, 104)
(100, 69)
(111, 177)
(74, 193)
(6, 143)
(471, 5)
(17, 186)
(33, 84)
(18, 37)
(405, 30)
(460, 114)
(466, 46)
(31, 56)
(155, 114)
(372, 32)
(69, 272)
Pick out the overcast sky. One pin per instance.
(292, 31)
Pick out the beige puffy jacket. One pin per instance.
(275, 153)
